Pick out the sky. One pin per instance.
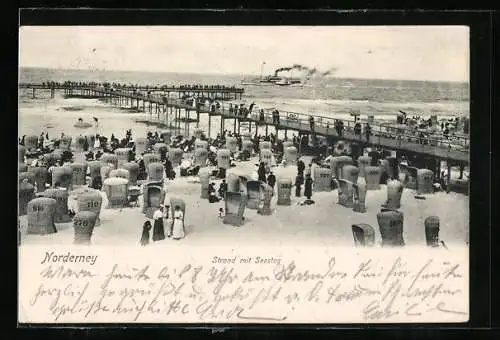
(433, 53)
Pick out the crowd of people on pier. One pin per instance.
(448, 127)
(196, 87)
(207, 87)
(241, 110)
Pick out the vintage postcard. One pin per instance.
(237, 174)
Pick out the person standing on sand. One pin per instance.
(262, 172)
(299, 179)
(271, 180)
(301, 167)
(40, 141)
(308, 187)
(145, 233)
(223, 189)
(446, 180)
(97, 142)
(167, 222)
(178, 225)
(309, 170)
(212, 196)
(158, 228)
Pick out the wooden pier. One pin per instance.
(167, 111)
(82, 90)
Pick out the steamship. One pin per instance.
(273, 80)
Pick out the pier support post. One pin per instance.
(169, 115)
(179, 119)
(174, 118)
(234, 125)
(52, 93)
(221, 125)
(209, 124)
(266, 129)
(33, 95)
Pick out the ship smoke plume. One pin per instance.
(308, 70)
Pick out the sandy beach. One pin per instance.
(324, 223)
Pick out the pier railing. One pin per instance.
(131, 87)
(326, 126)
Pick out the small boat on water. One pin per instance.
(82, 125)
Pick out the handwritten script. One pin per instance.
(335, 288)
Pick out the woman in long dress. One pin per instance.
(299, 180)
(158, 228)
(178, 226)
(97, 142)
(167, 221)
(145, 233)
(308, 187)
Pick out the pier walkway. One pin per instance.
(220, 92)
(171, 112)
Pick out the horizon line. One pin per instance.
(235, 74)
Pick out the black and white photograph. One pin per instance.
(142, 147)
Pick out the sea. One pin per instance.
(325, 96)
